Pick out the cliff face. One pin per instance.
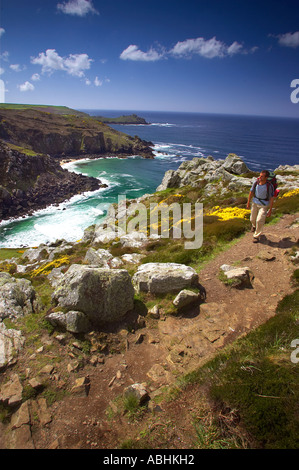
(66, 134)
(28, 183)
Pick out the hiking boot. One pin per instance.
(255, 240)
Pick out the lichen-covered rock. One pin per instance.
(11, 342)
(158, 278)
(72, 321)
(103, 295)
(17, 297)
(185, 297)
(99, 257)
(240, 277)
(138, 391)
(235, 164)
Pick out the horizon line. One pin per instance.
(156, 111)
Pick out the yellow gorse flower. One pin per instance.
(227, 213)
(47, 268)
(294, 192)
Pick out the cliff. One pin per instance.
(59, 133)
(31, 182)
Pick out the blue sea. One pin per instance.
(262, 142)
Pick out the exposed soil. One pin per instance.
(171, 346)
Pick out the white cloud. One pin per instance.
(1, 70)
(27, 86)
(4, 56)
(77, 7)
(74, 64)
(98, 82)
(15, 67)
(209, 48)
(289, 39)
(87, 81)
(2, 31)
(35, 77)
(133, 53)
(49, 61)
(234, 48)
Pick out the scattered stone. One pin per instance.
(20, 417)
(11, 392)
(111, 381)
(11, 343)
(139, 391)
(72, 321)
(61, 338)
(35, 383)
(154, 312)
(40, 409)
(21, 438)
(74, 367)
(213, 334)
(240, 277)
(158, 278)
(185, 297)
(47, 370)
(94, 360)
(266, 255)
(158, 374)
(81, 387)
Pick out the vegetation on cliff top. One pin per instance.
(130, 119)
(60, 131)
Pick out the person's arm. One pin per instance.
(249, 199)
(270, 206)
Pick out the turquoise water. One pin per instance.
(176, 137)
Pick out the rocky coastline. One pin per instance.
(30, 183)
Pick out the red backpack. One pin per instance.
(271, 180)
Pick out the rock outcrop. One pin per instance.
(17, 297)
(103, 295)
(197, 170)
(32, 182)
(231, 174)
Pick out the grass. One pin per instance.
(24, 150)
(256, 377)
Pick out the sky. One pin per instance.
(231, 57)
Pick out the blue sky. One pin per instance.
(234, 57)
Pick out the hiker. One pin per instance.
(262, 193)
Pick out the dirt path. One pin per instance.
(171, 346)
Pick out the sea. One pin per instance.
(262, 143)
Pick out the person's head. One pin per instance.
(264, 175)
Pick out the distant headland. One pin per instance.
(130, 119)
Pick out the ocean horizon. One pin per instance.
(261, 142)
